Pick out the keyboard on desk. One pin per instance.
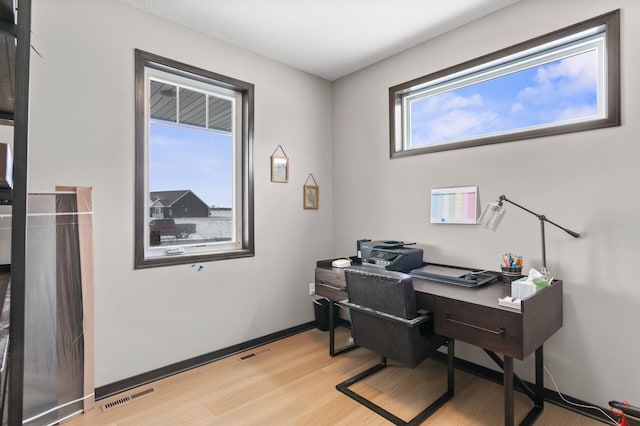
(454, 275)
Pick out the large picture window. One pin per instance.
(563, 82)
(194, 183)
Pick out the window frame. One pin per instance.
(243, 197)
(612, 117)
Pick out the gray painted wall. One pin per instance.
(82, 133)
(585, 181)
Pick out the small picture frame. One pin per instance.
(311, 198)
(279, 169)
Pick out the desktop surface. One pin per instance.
(472, 314)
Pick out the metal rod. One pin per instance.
(544, 250)
(508, 391)
(542, 219)
(15, 373)
(525, 388)
(539, 216)
(333, 351)
(539, 401)
(450, 366)
(331, 327)
(53, 193)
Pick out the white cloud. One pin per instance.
(516, 107)
(453, 124)
(576, 111)
(571, 76)
(447, 102)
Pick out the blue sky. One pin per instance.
(185, 158)
(558, 91)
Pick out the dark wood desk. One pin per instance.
(472, 315)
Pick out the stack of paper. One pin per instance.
(510, 302)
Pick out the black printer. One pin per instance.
(391, 255)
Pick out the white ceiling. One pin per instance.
(327, 38)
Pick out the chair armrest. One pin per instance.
(406, 322)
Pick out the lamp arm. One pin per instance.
(541, 217)
(568, 231)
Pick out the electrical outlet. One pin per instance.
(312, 289)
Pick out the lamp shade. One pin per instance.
(492, 216)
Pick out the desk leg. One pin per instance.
(332, 350)
(331, 327)
(509, 378)
(539, 400)
(508, 391)
(538, 393)
(450, 366)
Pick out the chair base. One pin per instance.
(421, 416)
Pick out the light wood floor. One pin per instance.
(292, 382)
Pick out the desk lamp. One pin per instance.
(493, 213)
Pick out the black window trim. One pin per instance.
(143, 60)
(610, 20)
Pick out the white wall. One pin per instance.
(82, 133)
(585, 181)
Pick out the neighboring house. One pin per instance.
(184, 203)
(157, 209)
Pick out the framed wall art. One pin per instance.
(279, 166)
(311, 194)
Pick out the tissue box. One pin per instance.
(521, 288)
(540, 283)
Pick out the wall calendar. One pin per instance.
(456, 204)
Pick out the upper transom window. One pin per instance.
(563, 82)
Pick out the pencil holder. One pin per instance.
(510, 274)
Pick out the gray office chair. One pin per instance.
(384, 319)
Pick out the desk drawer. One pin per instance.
(330, 283)
(489, 328)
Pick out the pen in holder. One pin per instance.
(511, 273)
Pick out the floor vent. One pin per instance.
(251, 355)
(121, 401)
